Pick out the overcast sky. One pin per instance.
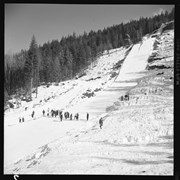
(52, 21)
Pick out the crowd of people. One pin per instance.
(63, 115)
(125, 97)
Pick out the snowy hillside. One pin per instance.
(137, 135)
(63, 96)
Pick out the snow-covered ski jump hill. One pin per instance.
(136, 137)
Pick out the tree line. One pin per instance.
(57, 61)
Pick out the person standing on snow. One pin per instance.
(65, 115)
(52, 113)
(43, 112)
(77, 116)
(71, 117)
(48, 112)
(32, 114)
(61, 116)
(101, 122)
(87, 116)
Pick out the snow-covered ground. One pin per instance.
(22, 138)
(135, 139)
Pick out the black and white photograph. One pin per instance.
(88, 89)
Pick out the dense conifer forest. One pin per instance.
(57, 61)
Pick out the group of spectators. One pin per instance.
(62, 115)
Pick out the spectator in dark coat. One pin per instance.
(52, 113)
(77, 116)
(65, 115)
(87, 116)
(126, 97)
(61, 117)
(101, 122)
(43, 112)
(71, 117)
(32, 114)
(121, 98)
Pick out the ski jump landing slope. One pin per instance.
(136, 61)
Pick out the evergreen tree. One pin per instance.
(171, 15)
(69, 63)
(56, 70)
(32, 67)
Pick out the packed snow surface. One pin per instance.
(136, 60)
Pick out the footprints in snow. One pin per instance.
(32, 160)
